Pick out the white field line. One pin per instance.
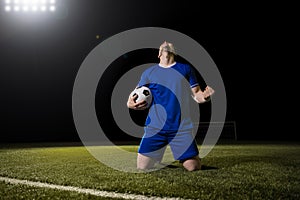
(82, 190)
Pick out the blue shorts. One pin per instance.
(182, 144)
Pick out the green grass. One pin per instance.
(11, 191)
(240, 171)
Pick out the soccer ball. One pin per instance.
(143, 93)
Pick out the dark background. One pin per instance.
(252, 45)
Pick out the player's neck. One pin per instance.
(167, 63)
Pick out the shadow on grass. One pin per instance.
(205, 167)
(171, 166)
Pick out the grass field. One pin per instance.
(231, 171)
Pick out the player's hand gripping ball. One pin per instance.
(143, 94)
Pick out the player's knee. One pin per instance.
(142, 166)
(192, 168)
(192, 164)
(144, 162)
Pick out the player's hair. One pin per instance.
(169, 47)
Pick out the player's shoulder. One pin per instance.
(183, 67)
(150, 69)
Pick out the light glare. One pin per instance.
(34, 8)
(16, 8)
(43, 8)
(30, 5)
(25, 8)
(52, 8)
(7, 8)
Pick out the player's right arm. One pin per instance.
(136, 106)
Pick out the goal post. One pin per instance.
(228, 129)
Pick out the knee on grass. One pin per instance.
(145, 162)
(192, 164)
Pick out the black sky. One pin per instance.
(250, 44)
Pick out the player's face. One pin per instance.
(162, 49)
(163, 55)
(163, 52)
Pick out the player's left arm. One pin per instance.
(202, 96)
(198, 94)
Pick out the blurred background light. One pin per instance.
(29, 6)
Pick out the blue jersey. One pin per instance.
(171, 91)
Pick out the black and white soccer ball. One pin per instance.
(143, 93)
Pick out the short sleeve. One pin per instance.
(143, 80)
(192, 77)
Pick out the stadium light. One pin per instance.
(30, 6)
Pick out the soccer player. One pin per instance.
(168, 120)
